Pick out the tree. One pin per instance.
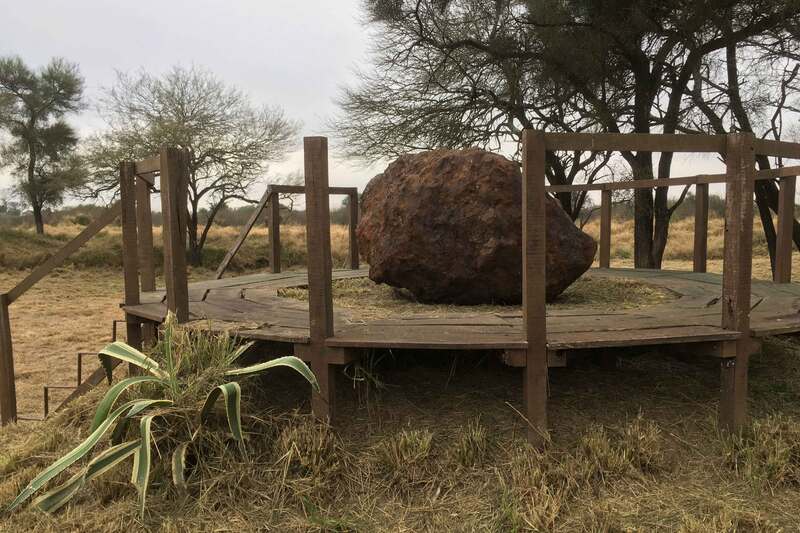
(41, 151)
(230, 141)
(584, 65)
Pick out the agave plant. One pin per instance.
(183, 392)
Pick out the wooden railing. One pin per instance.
(136, 181)
(787, 177)
(271, 202)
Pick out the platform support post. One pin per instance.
(533, 283)
(700, 257)
(8, 390)
(736, 276)
(274, 226)
(320, 296)
(147, 268)
(783, 247)
(130, 253)
(352, 206)
(173, 209)
(605, 229)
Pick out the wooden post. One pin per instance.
(130, 252)
(700, 257)
(173, 209)
(352, 206)
(736, 276)
(8, 390)
(147, 268)
(274, 223)
(320, 298)
(783, 247)
(533, 283)
(605, 229)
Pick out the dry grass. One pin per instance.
(375, 301)
(433, 441)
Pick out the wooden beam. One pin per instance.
(320, 296)
(784, 244)
(105, 218)
(130, 252)
(8, 391)
(226, 261)
(605, 229)
(634, 142)
(274, 229)
(151, 165)
(700, 257)
(786, 150)
(144, 230)
(173, 210)
(736, 276)
(533, 283)
(352, 207)
(300, 189)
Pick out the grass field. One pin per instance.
(428, 441)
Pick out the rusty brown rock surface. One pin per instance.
(446, 226)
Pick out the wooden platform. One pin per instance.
(250, 305)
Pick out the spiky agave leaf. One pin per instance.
(105, 405)
(289, 361)
(138, 406)
(66, 460)
(53, 500)
(179, 458)
(123, 352)
(232, 393)
(142, 460)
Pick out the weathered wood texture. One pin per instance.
(352, 207)
(784, 244)
(130, 252)
(736, 277)
(274, 229)
(320, 295)
(605, 229)
(634, 142)
(700, 256)
(533, 283)
(8, 393)
(144, 232)
(173, 210)
(105, 218)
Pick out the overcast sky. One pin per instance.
(295, 54)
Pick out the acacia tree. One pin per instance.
(615, 65)
(230, 141)
(41, 150)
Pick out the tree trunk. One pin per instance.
(643, 213)
(38, 219)
(195, 248)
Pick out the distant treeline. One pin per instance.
(11, 215)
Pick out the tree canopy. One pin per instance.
(41, 152)
(230, 140)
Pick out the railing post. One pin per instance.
(173, 210)
(784, 244)
(352, 206)
(147, 268)
(533, 283)
(700, 257)
(130, 252)
(274, 223)
(320, 298)
(737, 270)
(8, 390)
(605, 229)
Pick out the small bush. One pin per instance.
(768, 452)
(472, 444)
(404, 455)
